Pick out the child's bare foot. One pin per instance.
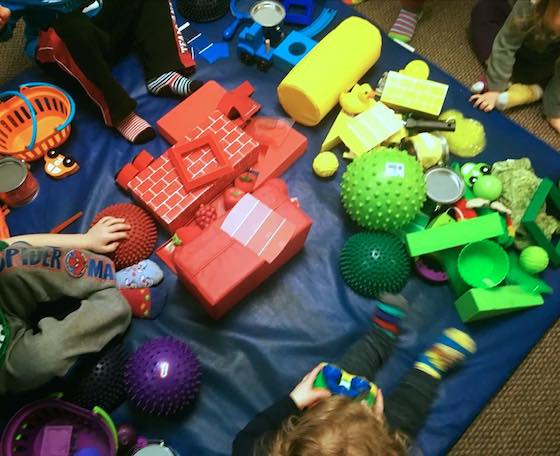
(555, 123)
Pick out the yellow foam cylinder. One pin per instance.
(332, 67)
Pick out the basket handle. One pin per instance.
(13, 93)
(109, 422)
(66, 94)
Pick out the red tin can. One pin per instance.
(18, 187)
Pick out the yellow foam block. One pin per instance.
(333, 137)
(370, 128)
(313, 87)
(412, 94)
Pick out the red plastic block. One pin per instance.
(199, 177)
(238, 105)
(220, 271)
(283, 146)
(240, 149)
(181, 120)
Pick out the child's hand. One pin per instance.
(485, 101)
(555, 123)
(104, 236)
(304, 395)
(5, 14)
(379, 404)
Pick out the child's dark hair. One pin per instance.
(336, 426)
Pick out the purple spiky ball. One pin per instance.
(163, 376)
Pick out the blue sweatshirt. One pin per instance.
(40, 14)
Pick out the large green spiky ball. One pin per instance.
(375, 262)
(383, 189)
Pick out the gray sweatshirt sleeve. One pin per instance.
(508, 40)
(551, 97)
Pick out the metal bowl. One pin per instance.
(268, 13)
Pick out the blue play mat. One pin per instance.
(304, 313)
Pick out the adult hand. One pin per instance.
(485, 101)
(105, 235)
(5, 15)
(304, 395)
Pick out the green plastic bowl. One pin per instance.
(483, 264)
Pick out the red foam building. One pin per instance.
(220, 270)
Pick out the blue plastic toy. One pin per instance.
(340, 382)
(299, 42)
(298, 12)
(252, 46)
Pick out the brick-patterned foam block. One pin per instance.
(142, 236)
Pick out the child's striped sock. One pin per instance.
(173, 83)
(452, 347)
(387, 318)
(405, 25)
(135, 129)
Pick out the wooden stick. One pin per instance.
(57, 229)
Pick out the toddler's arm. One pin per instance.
(508, 40)
(269, 421)
(102, 238)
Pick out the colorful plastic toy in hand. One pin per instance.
(340, 382)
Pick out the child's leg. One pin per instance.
(407, 407)
(487, 18)
(405, 25)
(35, 358)
(32, 277)
(163, 52)
(79, 48)
(369, 353)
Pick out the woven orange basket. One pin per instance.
(34, 120)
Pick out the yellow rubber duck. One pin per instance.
(358, 99)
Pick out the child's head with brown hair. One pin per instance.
(336, 426)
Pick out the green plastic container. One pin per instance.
(483, 264)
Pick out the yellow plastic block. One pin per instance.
(333, 137)
(339, 61)
(412, 94)
(370, 128)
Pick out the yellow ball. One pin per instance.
(325, 164)
(534, 259)
(417, 69)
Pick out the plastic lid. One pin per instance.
(12, 174)
(268, 13)
(444, 185)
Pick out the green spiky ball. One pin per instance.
(383, 189)
(374, 262)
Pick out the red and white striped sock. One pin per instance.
(173, 83)
(135, 129)
(405, 25)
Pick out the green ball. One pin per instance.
(533, 259)
(383, 189)
(488, 187)
(372, 263)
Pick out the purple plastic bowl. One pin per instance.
(163, 376)
(25, 432)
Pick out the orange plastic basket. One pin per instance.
(34, 120)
